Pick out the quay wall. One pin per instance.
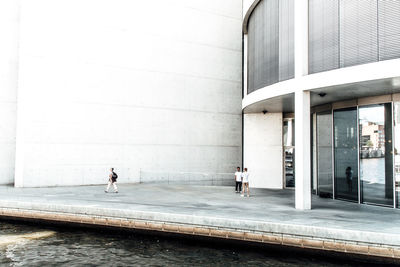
(300, 236)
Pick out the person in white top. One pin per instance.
(112, 180)
(245, 180)
(238, 180)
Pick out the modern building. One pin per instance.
(322, 98)
(152, 88)
(304, 93)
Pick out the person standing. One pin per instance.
(112, 180)
(349, 178)
(245, 180)
(238, 180)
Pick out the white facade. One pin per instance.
(135, 85)
(9, 24)
(262, 146)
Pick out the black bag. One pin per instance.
(114, 177)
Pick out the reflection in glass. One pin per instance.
(288, 147)
(314, 167)
(288, 132)
(289, 167)
(376, 167)
(346, 154)
(324, 146)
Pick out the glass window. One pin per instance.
(346, 154)
(288, 132)
(324, 154)
(376, 167)
(397, 151)
(289, 167)
(288, 150)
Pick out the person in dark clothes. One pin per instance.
(349, 178)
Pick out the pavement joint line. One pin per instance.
(218, 232)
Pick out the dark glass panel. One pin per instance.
(324, 154)
(346, 154)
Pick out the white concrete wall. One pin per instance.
(9, 23)
(246, 5)
(137, 85)
(263, 149)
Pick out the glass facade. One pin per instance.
(396, 130)
(354, 149)
(376, 161)
(357, 154)
(324, 155)
(288, 150)
(346, 154)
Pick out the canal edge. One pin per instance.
(271, 238)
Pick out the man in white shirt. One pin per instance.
(238, 180)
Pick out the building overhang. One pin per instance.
(380, 78)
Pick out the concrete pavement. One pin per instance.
(267, 216)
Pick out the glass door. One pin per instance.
(376, 157)
(288, 150)
(346, 153)
(324, 154)
(396, 134)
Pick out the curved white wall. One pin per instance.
(137, 85)
(9, 23)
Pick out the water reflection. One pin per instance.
(376, 166)
(70, 247)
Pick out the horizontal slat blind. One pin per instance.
(389, 29)
(286, 40)
(358, 32)
(270, 43)
(250, 55)
(355, 31)
(323, 35)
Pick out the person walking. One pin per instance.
(238, 180)
(112, 180)
(245, 180)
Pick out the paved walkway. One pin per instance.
(266, 210)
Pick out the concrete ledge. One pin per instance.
(245, 233)
(69, 212)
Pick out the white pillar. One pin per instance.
(302, 150)
(302, 109)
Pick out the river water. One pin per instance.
(372, 170)
(83, 247)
